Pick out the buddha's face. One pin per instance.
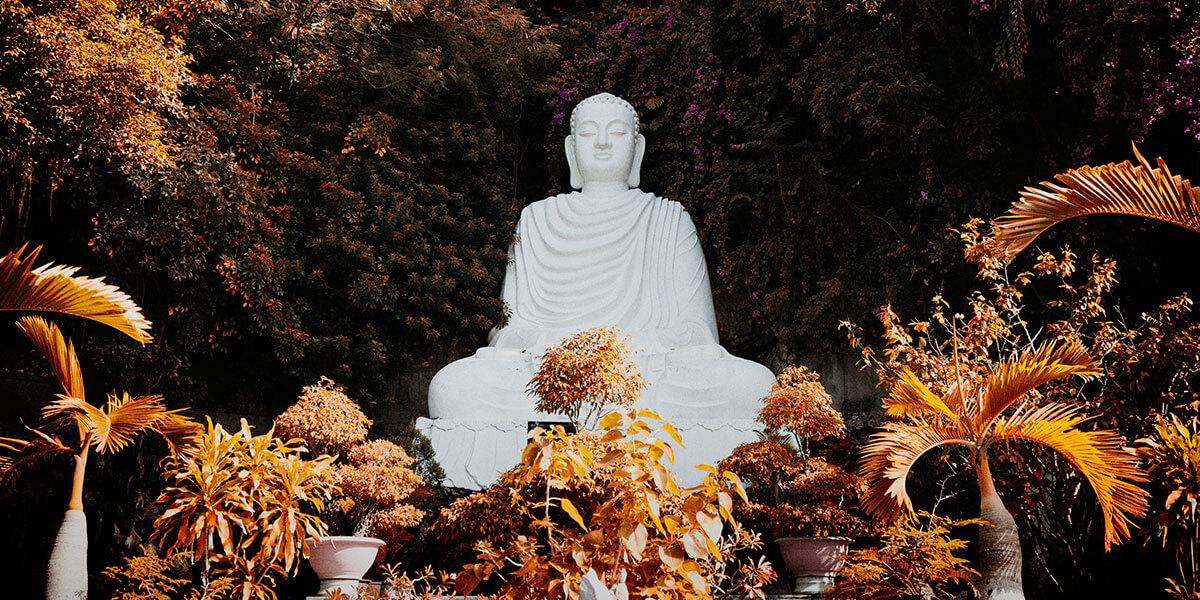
(604, 146)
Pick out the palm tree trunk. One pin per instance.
(66, 576)
(999, 545)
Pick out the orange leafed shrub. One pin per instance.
(376, 475)
(798, 403)
(376, 486)
(914, 561)
(325, 418)
(793, 492)
(244, 504)
(640, 530)
(584, 373)
(604, 500)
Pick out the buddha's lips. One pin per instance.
(602, 155)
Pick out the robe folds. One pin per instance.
(630, 260)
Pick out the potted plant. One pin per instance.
(242, 506)
(374, 503)
(806, 502)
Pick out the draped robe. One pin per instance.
(630, 260)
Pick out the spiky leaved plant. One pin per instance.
(106, 429)
(980, 411)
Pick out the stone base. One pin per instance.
(474, 453)
(811, 587)
(349, 587)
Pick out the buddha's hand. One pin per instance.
(676, 338)
(516, 336)
(491, 353)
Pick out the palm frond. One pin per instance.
(1100, 456)
(183, 435)
(127, 417)
(1114, 188)
(16, 452)
(90, 420)
(910, 397)
(955, 400)
(1012, 379)
(58, 350)
(56, 288)
(889, 455)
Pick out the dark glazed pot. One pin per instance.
(813, 556)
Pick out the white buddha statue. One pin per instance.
(607, 255)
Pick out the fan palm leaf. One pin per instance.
(889, 456)
(123, 417)
(1115, 188)
(56, 288)
(57, 350)
(1100, 456)
(128, 417)
(1012, 379)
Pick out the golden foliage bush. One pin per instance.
(799, 404)
(375, 486)
(913, 560)
(584, 373)
(795, 493)
(377, 479)
(605, 500)
(641, 530)
(325, 418)
(243, 505)
(148, 577)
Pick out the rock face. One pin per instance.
(608, 255)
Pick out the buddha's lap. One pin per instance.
(701, 387)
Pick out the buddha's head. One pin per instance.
(605, 149)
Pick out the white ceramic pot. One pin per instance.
(342, 560)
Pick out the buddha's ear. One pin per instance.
(635, 170)
(576, 178)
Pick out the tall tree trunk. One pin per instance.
(999, 545)
(66, 576)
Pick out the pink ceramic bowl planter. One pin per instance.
(813, 560)
(342, 560)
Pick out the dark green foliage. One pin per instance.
(345, 200)
(826, 147)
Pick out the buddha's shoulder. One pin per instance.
(562, 200)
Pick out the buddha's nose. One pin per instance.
(602, 140)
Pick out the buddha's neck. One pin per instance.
(606, 188)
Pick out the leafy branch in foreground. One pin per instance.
(914, 559)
